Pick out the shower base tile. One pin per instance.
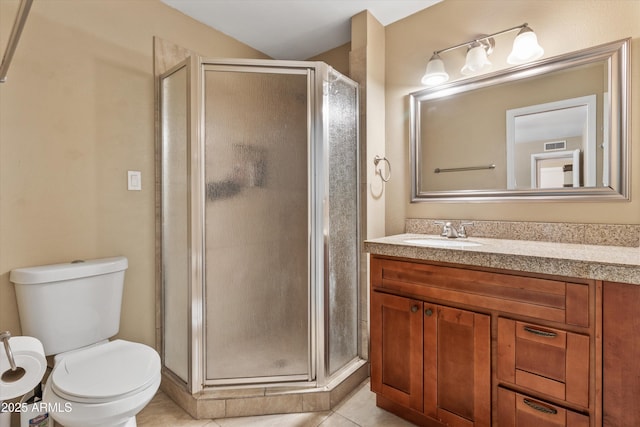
(316, 402)
(211, 409)
(358, 409)
(255, 401)
(232, 393)
(348, 384)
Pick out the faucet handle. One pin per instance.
(446, 227)
(462, 232)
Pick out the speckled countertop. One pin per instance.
(611, 263)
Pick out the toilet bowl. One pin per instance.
(73, 309)
(104, 385)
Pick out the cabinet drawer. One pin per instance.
(547, 299)
(547, 360)
(517, 410)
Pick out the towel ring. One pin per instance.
(377, 159)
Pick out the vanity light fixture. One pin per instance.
(477, 58)
(435, 73)
(525, 49)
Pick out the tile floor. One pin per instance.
(358, 409)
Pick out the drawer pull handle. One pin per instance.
(414, 308)
(540, 333)
(539, 407)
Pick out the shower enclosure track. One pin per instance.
(14, 37)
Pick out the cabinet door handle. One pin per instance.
(414, 308)
(428, 312)
(540, 333)
(538, 407)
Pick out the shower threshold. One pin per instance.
(252, 400)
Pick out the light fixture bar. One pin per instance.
(467, 43)
(525, 49)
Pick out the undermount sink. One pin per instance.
(443, 243)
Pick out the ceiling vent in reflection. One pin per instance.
(555, 145)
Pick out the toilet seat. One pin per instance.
(106, 372)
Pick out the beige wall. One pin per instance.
(76, 113)
(367, 66)
(561, 26)
(337, 57)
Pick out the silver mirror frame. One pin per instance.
(619, 86)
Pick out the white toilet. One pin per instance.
(73, 309)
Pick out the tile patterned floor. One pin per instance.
(357, 410)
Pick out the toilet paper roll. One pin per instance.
(28, 354)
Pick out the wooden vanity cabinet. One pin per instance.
(461, 346)
(431, 359)
(621, 355)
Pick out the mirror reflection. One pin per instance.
(555, 128)
(551, 132)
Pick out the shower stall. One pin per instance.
(259, 186)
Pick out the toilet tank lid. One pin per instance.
(67, 271)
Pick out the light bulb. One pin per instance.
(525, 47)
(435, 73)
(477, 60)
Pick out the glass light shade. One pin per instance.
(477, 60)
(435, 73)
(525, 47)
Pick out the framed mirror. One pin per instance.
(556, 129)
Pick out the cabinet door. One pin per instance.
(396, 349)
(457, 366)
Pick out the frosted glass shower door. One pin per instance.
(341, 112)
(175, 220)
(257, 281)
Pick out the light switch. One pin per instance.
(134, 180)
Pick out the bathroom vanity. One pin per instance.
(496, 332)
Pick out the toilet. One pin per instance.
(73, 309)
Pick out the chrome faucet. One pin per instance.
(450, 232)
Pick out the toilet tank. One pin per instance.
(72, 305)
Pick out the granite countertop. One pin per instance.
(611, 263)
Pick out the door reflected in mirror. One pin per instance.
(556, 170)
(553, 131)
